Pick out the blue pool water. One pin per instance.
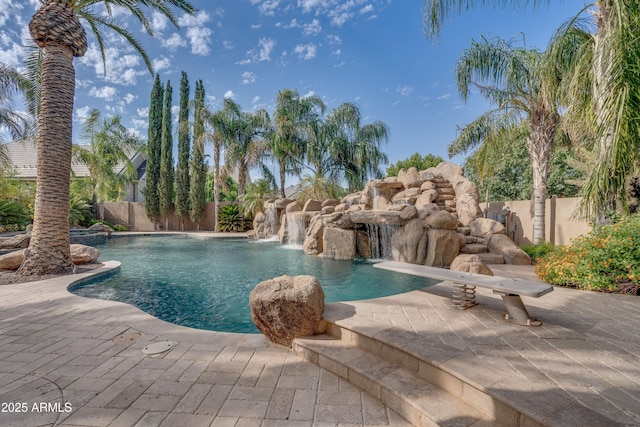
(205, 283)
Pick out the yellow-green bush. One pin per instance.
(607, 259)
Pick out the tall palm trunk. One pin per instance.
(217, 142)
(540, 143)
(283, 177)
(55, 28)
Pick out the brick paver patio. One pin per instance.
(79, 360)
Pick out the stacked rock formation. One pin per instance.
(422, 217)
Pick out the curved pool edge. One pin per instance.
(131, 315)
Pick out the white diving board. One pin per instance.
(509, 288)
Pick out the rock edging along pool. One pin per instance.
(205, 283)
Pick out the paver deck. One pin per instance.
(60, 349)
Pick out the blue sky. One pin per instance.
(370, 52)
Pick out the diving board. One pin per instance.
(509, 288)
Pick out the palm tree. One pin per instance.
(293, 120)
(18, 125)
(56, 28)
(604, 54)
(339, 149)
(603, 73)
(108, 157)
(242, 133)
(515, 80)
(356, 148)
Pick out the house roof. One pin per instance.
(22, 156)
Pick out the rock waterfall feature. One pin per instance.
(422, 217)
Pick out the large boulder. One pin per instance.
(258, 225)
(80, 254)
(293, 207)
(338, 243)
(11, 261)
(501, 244)
(409, 243)
(483, 227)
(83, 254)
(286, 307)
(442, 247)
(99, 227)
(467, 202)
(312, 205)
(410, 178)
(312, 244)
(19, 241)
(441, 220)
(469, 263)
(377, 217)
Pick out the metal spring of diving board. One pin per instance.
(464, 296)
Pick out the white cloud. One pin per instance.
(334, 40)
(9, 10)
(256, 26)
(260, 53)
(197, 32)
(158, 22)
(266, 46)
(405, 90)
(255, 100)
(337, 11)
(122, 68)
(308, 5)
(129, 98)
(306, 51)
(445, 96)
(160, 63)
(83, 112)
(229, 94)
(106, 92)
(138, 123)
(143, 112)
(312, 29)
(173, 42)
(248, 78)
(227, 44)
(308, 94)
(10, 53)
(266, 7)
(367, 9)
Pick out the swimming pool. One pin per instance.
(205, 283)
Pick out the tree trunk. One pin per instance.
(216, 183)
(242, 177)
(57, 29)
(283, 173)
(540, 142)
(49, 251)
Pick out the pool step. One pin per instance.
(417, 400)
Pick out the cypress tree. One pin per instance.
(154, 147)
(165, 189)
(197, 194)
(184, 148)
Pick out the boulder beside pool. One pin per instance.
(287, 307)
(80, 254)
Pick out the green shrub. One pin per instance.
(538, 251)
(606, 259)
(120, 227)
(79, 212)
(232, 219)
(13, 216)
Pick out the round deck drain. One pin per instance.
(158, 347)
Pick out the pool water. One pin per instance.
(205, 283)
